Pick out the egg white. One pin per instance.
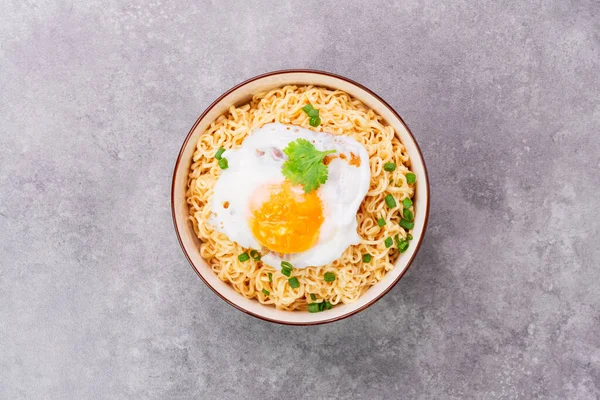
(259, 161)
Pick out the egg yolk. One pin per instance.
(288, 221)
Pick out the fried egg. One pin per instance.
(254, 205)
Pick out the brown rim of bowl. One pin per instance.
(292, 71)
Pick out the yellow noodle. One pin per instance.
(340, 115)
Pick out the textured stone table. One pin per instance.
(98, 302)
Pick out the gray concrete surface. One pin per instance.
(98, 302)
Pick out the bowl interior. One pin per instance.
(242, 94)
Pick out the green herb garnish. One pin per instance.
(406, 224)
(313, 307)
(304, 165)
(388, 242)
(266, 292)
(366, 258)
(381, 222)
(286, 268)
(409, 237)
(270, 277)
(407, 202)
(329, 276)
(389, 200)
(411, 178)
(389, 166)
(313, 297)
(255, 255)
(408, 215)
(294, 283)
(401, 243)
(313, 114)
(223, 163)
(310, 110)
(219, 153)
(243, 257)
(317, 307)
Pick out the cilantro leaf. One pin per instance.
(305, 164)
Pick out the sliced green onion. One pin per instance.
(397, 240)
(315, 121)
(388, 242)
(313, 307)
(270, 277)
(266, 292)
(313, 113)
(406, 224)
(321, 306)
(403, 247)
(255, 255)
(411, 178)
(407, 202)
(366, 258)
(294, 283)
(328, 305)
(329, 276)
(408, 215)
(243, 257)
(219, 153)
(286, 268)
(223, 163)
(307, 108)
(381, 222)
(313, 297)
(389, 166)
(402, 244)
(389, 200)
(409, 237)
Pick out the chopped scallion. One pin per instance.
(389, 167)
(243, 257)
(329, 276)
(294, 284)
(307, 108)
(255, 255)
(219, 153)
(401, 243)
(266, 292)
(366, 258)
(408, 215)
(223, 163)
(407, 202)
(390, 201)
(388, 242)
(313, 297)
(411, 178)
(270, 277)
(406, 224)
(314, 121)
(286, 268)
(286, 272)
(313, 307)
(381, 222)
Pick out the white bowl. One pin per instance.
(241, 94)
